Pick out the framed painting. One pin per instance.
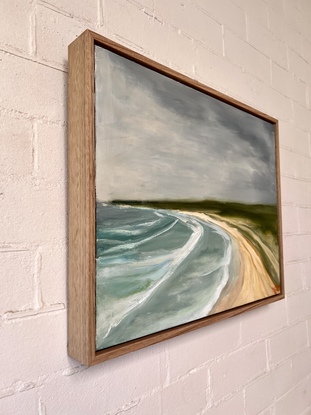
(174, 203)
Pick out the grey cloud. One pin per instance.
(158, 139)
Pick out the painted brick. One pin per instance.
(288, 163)
(309, 331)
(266, 42)
(145, 4)
(25, 401)
(160, 46)
(51, 147)
(185, 397)
(268, 411)
(67, 394)
(293, 138)
(292, 12)
(258, 10)
(234, 18)
(246, 56)
(304, 215)
(47, 353)
(301, 364)
(56, 399)
(127, 372)
(284, 28)
(298, 306)
(293, 277)
(53, 275)
(305, 25)
(276, 5)
(17, 268)
(52, 40)
(304, 7)
(83, 10)
(130, 23)
(308, 97)
(15, 144)
(271, 101)
(296, 400)
(302, 116)
(288, 84)
(182, 53)
(295, 192)
(201, 346)
(132, 375)
(296, 247)
(32, 88)
(288, 342)
(234, 405)
(166, 47)
(259, 323)
(213, 70)
(15, 24)
(306, 272)
(191, 20)
(303, 167)
(264, 391)
(238, 369)
(290, 220)
(146, 405)
(291, 190)
(306, 50)
(38, 214)
(298, 65)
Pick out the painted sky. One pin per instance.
(159, 139)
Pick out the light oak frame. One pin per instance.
(81, 203)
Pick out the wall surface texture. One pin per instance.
(258, 52)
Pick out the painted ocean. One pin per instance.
(155, 269)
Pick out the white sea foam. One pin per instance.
(132, 245)
(179, 256)
(141, 299)
(159, 269)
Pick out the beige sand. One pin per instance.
(253, 282)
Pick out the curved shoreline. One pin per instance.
(253, 282)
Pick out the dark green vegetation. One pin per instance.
(263, 217)
(257, 223)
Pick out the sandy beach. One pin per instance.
(253, 282)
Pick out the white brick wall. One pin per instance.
(258, 363)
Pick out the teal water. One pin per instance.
(155, 269)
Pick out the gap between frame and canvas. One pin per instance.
(81, 201)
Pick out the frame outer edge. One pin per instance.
(81, 203)
(81, 200)
(279, 206)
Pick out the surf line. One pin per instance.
(181, 254)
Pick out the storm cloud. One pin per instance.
(160, 139)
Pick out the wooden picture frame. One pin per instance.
(186, 180)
